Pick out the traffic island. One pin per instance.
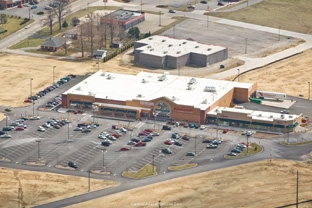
(182, 167)
(251, 149)
(145, 172)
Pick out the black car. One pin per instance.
(207, 141)
(72, 164)
(6, 128)
(147, 139)
(135, 140)
(165, 127)
(106, 143)
(2, 132)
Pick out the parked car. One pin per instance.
(177, 143)
(225, 131)
(2, 132)
(165, 127)
(175, 136)
(235, 150)
(166, 151)
(249, 133)
(7, 128)
(203, 2)
(191, 125)
(106, 143)
(28, 101)
(19, 128)
(147, 139)
(131, 143)
(202, 127)
(168, 142)
(190, 154)
(111, 138)
(285, 112)
(72, 165)
(115, 127)
(171, 11)
(140, 144)
(143, 134)
(232, 154)
(154, 134)
(207, 141)
(220, 3)
(20, 6)
(185, 137)
(125, 149)
(33, 7)
(56, 126)
(212, 146)
(123, 130)
(135, 140)
(47, 8)
(216, 141)
(116, 135)
(85, 130)
(5, 136)
(40, 128)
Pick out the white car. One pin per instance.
(40, 128)
(102, 136)
(5, 136)
(28, 26)
(123, 130)
(78, 129)
(202, 127)
(47, 8)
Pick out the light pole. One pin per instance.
(309, 91)
(31, 79)
(18, 197)
(247, 143)
(246, 39)
(141, 6)
(38, 141)
(153, 164)
(89, 171)
(54, 74)
(173, 31)
(88, 9)
(179, 69)
(279, 33)
(237, 75)
(159, 18)
(195, 144)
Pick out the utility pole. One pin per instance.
(309, 91)
(246, 39)
(31, 79)
(238, 75)
(54, 74)
(89, 180)
(159, 18)
(297, 198)
(38, 141)
(153, 165)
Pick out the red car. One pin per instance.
(140, 144)
(143, 134)
(225, 131)
(20, 6)
(19, 128)
(167, 142)
(125, 149)
(115, 127)
(185, 137)
(28, 101)
(116, 135)
(148, 130)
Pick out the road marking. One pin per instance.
(139, 125)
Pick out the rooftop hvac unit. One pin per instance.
(259, 115)
(192, 81)
(282, 116)
(165, 52)
(178, 52)
(151, 49)
(150, 38)
(210, 89)
(189, 87)
(271, 116)
(109, 76)
(139, 95)
(174, 98)
(78, 88)
(290, 116)
(162, 77)
(149, 46)
(209, 49)
(184, 42)
(103, 74)
(204, 101)
(169, 45)
(196, 46)
(163, 41)
(143, 81)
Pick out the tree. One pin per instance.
(65, 24)
(75, 21)
(60, 11)
(48, 20)
(134, 32)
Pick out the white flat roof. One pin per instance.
(162, 46)
(255, 114)
(128, 87)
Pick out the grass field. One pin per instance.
(293, 15)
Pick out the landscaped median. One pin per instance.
(182, 167)
(147, 171)
(252, 149)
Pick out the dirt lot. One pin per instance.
(37, 187)
(257, 185)
(262, 184)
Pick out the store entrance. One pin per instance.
(162, 110)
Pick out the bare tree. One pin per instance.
(48, 20)
(82, 33)
(61, 10)
(113, 27)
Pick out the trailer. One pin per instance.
(270, 95)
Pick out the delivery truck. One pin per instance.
(270, 95)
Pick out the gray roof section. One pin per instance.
(54, 42)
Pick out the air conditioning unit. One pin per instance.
(143, 81)
(139, 95)
(259, 115)
(271, 116)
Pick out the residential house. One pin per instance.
(53, 43)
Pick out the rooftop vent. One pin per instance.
(149, 46)
(109, 76)
(143, 81)
(271, 116)
(196, 46)
(103, 74)
(204, 101)
(178, 52)
(192, 81)
(78, 88)
(150, 38)
(139, 95)
(162, 77)
(163, 41)
(184, 42)
(189, 87)
(210, 89)
(169, 45)
(151, 49)
(259, 115)
(209, 49)
(165, 52)
(173, 98)
(282, 116)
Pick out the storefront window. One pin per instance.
(162, 109)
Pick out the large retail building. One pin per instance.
(172, 97)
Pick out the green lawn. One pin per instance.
(12, 25)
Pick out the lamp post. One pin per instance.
(173, 30)
(246, 39)
(153, 164)
(279, 33)
(141, 6)
(179, 69)
(247, 143)
(89, 171)
(309, 91)
(38, 141)
(18, 197)
(31, 79)
(159, 18)
(54, 74)
(237, 75)
(195, 144)
(88, 9)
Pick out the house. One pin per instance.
(99, 54)
(53, 43)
